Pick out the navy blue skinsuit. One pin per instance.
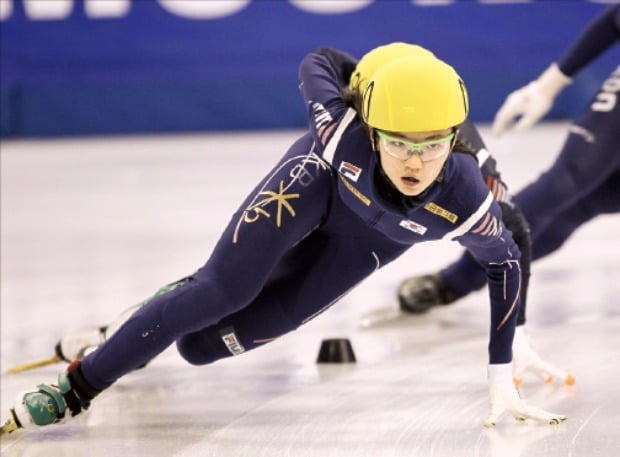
(316, 226)
(584, 181)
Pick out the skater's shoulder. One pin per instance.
(463, 182)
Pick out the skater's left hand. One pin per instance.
(525, 358)
(504, 397)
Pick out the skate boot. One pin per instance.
(418, 294)
(76, 345)
(50, 403)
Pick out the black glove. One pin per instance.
(342, 63)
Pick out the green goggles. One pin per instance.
(427, 151)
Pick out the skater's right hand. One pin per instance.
(342, 63)
(531, 102)
(525, 358)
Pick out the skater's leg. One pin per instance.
(310, 278)
(603, 200)
(281, 211)
(288, 205)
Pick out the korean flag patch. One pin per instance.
(413, 226)
(350, 171)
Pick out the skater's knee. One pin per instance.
(203, 347)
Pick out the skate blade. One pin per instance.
(381, 316)
(36, 364)
(10, 425)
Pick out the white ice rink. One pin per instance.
(91, 226)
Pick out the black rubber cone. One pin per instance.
(336, 350)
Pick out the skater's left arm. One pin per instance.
(493, 247)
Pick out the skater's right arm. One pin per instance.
(533, 101)
(321, 87)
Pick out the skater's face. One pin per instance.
(413, 160)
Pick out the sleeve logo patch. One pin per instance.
(355, 192)
(441, 212)
(230, 340)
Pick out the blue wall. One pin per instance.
(148, 67)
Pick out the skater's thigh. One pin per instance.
(311, 277)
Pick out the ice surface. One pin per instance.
(90, 226)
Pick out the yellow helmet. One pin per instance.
(415, 94)
(373, 59)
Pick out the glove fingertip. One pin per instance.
(498, 131)
(523, 124)
(557, 420)
(502, 124)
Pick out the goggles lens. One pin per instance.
(428, 150)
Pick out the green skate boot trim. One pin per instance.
(57, 396)
(44, 407)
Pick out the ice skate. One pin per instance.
(50, 403)
(418, 294)
(80, 343)
(73, 346)
(77, 345)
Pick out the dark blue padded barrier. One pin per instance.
(150, 66)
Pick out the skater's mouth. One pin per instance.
(410, 181)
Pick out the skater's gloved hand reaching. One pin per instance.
(504, 398)
(525, 358)
(531, 102)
